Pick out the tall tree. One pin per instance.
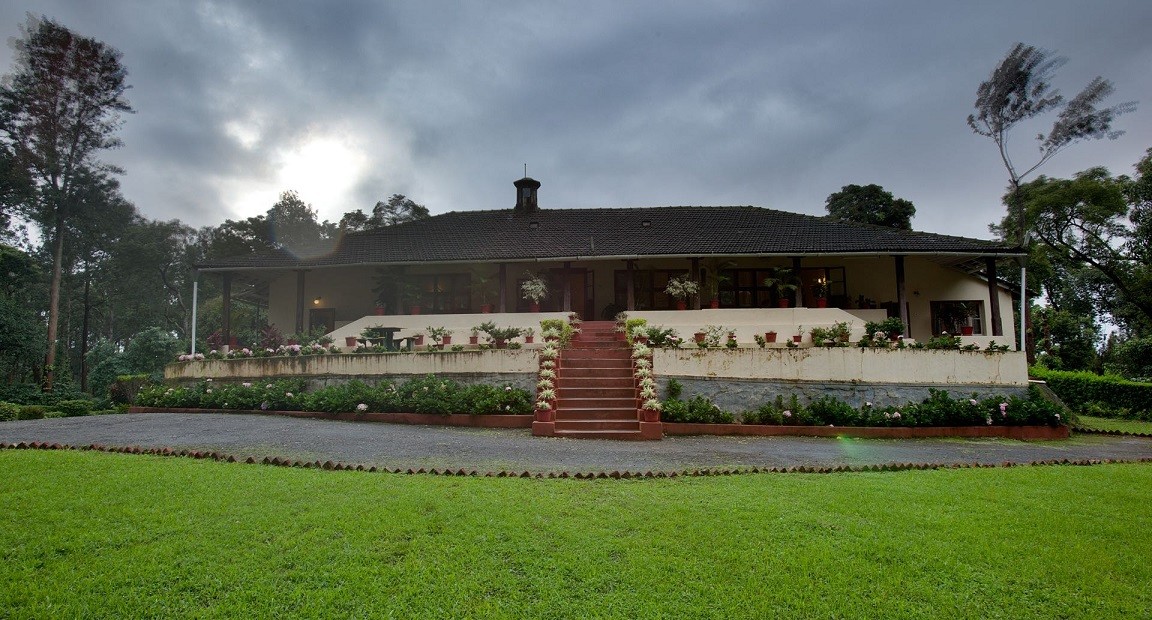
(870, 204)
(60, 107)
(1020, 89)
(397, 210)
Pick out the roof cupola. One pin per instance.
(526, 195)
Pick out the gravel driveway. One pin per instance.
(399, 446)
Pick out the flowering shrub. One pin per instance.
(939, 409)
(422, 395)
(287, 350)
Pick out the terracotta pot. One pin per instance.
(821, 302)
(621, 336)
(965, 330)
(648, 415)
(699, 336)
(770, 336)
(545, 415)
(420, 340)
(534, 307)
(681, 304)
(529, 339)
(714, 304)
(446, 340)
(797, 339)
(783, 303)
(350, 341)
(485, 308)
(473, 339)
(501, 344)
(414, 309)
(378, 310)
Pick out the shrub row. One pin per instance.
(421, 395)
(1099, 395)
(62, 409)
(939, 409)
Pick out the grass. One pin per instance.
(1115, 424)
(96, 534)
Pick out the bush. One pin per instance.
(421, 395)
(74, 408)
(9, 412)
(697, 409)
(1109, 392)
(32, 412)
(125, 388)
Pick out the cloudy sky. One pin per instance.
(773, 104)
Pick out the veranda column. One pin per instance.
(631, 285)
(993, 297)
(901, 295)
(300, 301)
(798, 294)
(696, 279)
(226, 309)
(567, 302)
(503, 300)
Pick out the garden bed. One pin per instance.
(868, 432)
(428, 419)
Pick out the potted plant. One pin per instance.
(529, 335)
(350, 341)
(954, 317)
(820, 292)
(782, 281)
(440, 336)
(893, 327)
(681, 288)
(482, 282)
(716, 279)
(534, 289)
(474, 338)
(799, 335)
(770, 336)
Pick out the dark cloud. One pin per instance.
(611, 104)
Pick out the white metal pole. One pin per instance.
(195, 295)
(1023, 305)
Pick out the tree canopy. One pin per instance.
(397, 210)
(870, 204)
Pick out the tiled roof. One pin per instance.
(555, 234)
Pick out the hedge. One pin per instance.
(1102, 395)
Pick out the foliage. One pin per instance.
(74, 408)
(125, 388)
(9, 411)
(664, 337)
(782, 281)
(1079, 390)
(534, 288)
(697, 409)
(61, 105)
(1065, 341)
(419, 395)
(493, 333)
(682, 287)
(870, 204)
(562, 328)
(397, 210)
(1133, 358)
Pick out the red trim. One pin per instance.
(428, 419)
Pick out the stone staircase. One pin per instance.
(596, 391)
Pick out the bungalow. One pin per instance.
(602, 261)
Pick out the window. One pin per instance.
(957, 317)
(445, 293)
(649, 288)
(744, 288)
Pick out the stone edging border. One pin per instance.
(616, 475)
(669, 428)
(1097, 431)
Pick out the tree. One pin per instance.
(1085, 221)
(60, 107)
(397, 210)
(1019, 89)
(870, 204)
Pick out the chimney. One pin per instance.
(526, 196)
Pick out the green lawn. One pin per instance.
(1116, 424)
(96, 534)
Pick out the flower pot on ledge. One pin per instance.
(714, 304)
(485, 308)
(681, 304)
(770, 336)
(649, 415)
(821, 302)
(534, 306)
(797, 339)
(529, 339)
(350, 341)
(420, 340)
(414, 309)
(966, 330)
(699, 337)
(378, 310)
(473, 339)
(783, 303)
(545, 415)
(446, 340)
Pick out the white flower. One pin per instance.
(787, 413)
(972, 401)
(362, 407)
(209, 390)
(288, 394)
(896, 415)
(507, 388)
(868, 404)
(246, 384)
